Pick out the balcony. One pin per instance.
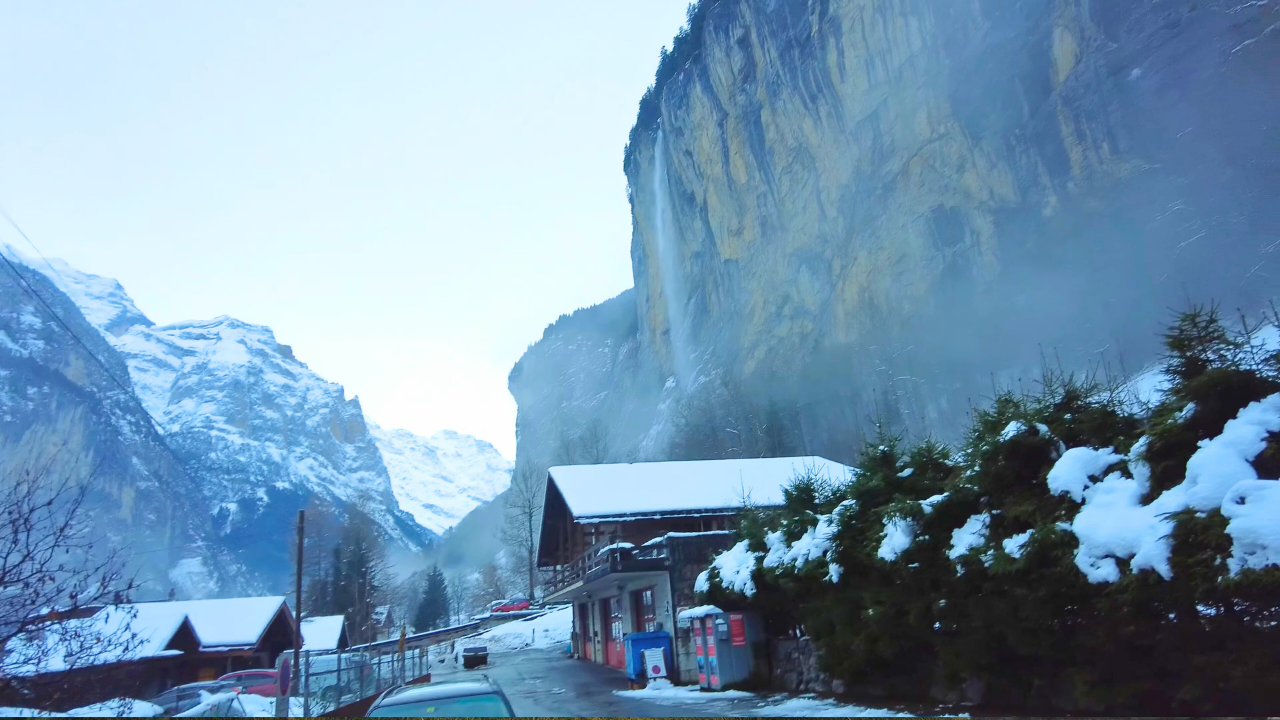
(604, 559)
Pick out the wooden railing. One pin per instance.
(598, 562)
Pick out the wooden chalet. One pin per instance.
(624, 543)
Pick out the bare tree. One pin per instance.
(55, 576)
(593, 442)
(521, 518)
(490, 585)
(462, 590)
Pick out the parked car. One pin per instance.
(184, 697)
(469, 698)
(332, 677)
(513, 604)
(255, 682)
(473, 656)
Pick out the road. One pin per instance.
(546, 683)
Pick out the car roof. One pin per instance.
(438, 691)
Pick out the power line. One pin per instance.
(30, 290)
(5, 213)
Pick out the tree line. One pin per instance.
(969, 573)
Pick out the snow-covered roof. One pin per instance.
(229, 622)
(116, 633)
(322, 633)
(674, 486)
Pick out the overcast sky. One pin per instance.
(405, 192)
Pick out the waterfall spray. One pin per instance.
(670, 268)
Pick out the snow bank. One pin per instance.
(661, 690)
(813, 706)
(258, 706)
(119, 707)
(1113, 522)
(548, 630)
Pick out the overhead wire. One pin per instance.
(30, 290)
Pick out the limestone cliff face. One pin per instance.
(832, 168)
(875, 206)
(63, 415)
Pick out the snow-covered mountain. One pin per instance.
(263, 435)
(441, 478)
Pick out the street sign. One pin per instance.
(283, 676)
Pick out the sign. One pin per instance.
(737, 630)
(682, 621)
(655, 662)
(283, 675)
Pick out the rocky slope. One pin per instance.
(438, 480)
(62, 413)
(871, 206)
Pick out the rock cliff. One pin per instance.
(65, 415)
(871, 207)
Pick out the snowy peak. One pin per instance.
(102, 301)
(440, 479)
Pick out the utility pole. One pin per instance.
(297, 602)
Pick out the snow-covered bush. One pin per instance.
(1078, 552)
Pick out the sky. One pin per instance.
(407, 193)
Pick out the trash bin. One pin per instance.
(636, 643)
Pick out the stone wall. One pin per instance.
(793, 667)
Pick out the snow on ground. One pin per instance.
(258, 706)
(549, 630)
(663, 691)
(738, 702)
(813, 706)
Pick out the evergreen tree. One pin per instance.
(433, 608)
(989, 588)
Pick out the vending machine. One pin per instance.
(730, 648)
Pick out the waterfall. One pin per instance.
(670, 268)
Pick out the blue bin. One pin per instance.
(637, 643)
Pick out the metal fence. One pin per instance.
(329, 680)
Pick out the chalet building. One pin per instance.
(325, 633)
(139, 650)
(624, 543)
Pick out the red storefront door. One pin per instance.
(613, 653)
(646, 610)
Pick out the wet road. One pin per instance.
(545, 682)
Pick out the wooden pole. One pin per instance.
(297, 600)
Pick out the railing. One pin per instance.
(598, 561)
(327, 681)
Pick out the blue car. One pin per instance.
(470, 698)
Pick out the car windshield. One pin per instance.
(469, 706)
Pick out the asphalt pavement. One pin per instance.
(547, 683)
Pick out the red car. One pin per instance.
(514, 604)
(254, 682)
